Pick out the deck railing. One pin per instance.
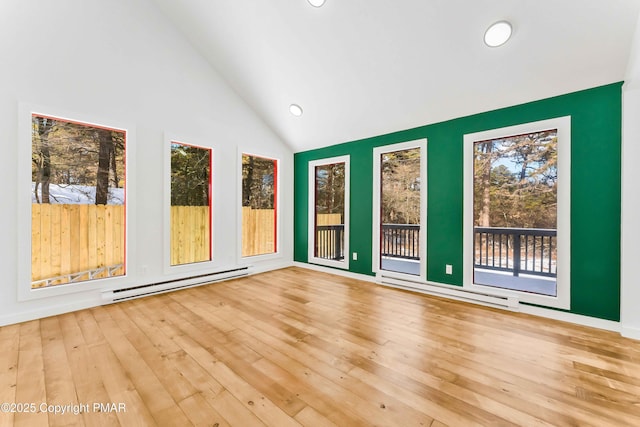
(330, 242)
(518, 250)
(400, 241)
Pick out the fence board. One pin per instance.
(36, 237)
(45, 241)
(65, 238)
(55, 239)
(83, 240)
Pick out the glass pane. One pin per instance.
(330, 200)
(78, 202)
(400, 211)
(190, 204)
(259, 210)
(515, 212)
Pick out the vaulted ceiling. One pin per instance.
(361, 68)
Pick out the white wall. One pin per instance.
(630, 304)
(122, 62)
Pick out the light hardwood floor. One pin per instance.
(297, 347)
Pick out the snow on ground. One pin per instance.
(77, 195)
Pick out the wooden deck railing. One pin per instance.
(518, 250)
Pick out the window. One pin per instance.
(259, 205)
(517, 210)
(329, 212)
(78, 202)
(400, 210)
(190, 214)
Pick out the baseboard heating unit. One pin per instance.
(492, 300)
(172, 285)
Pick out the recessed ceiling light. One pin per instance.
(295, 109)
(497, 34)
(316, 3)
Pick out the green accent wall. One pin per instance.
(596, 128)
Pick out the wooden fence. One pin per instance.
(72, 242)
(258, 231)
(70, 239)
(190, 234)
(329, 219)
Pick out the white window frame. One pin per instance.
(194, 266)
(563, 279)
(375, 254)
(25, 291)
(344, 264)
(248, 260)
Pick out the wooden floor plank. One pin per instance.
(296, 347)
(60, 390)
(85, 373)
(31, 376)
(9, 347)
(201, 413)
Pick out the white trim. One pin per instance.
(25, 292)
(55, 310)
(578, 319)
(630, 332)
(246, 260)
(375, 250)
(312, 211)
(563, 125)
(195, 266)
(451, 291)
(339, 272)
(630, 227)
(563, 316)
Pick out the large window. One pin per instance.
(329, 212)
(190, 214)
(518, 210)
(259, 205)
(78, 202)
(399, 203)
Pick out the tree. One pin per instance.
(515, 182)
(105, 150)
(66, 153)
(258, 182)
(484, 165)
(330, 184)
(400, 187)
(190, 175)
(41, 156)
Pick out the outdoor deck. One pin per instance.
(520, 259)
(524, 282)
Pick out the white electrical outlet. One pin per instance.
(448, 269)
(355, 256)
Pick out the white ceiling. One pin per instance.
(361, 68)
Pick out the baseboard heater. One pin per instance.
(499, 301)
(172, 285)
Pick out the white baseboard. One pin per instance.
(563, 316)
(336, 271)
(578, 319)
(263, 267)
(41, 313)
(630, 332)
